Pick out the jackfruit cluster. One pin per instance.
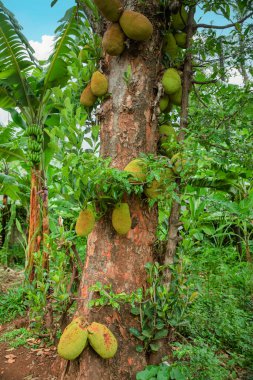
(171, 82)
(85, 222)
(121, 218)
(138, 170)
(98, 86)
(78, 334)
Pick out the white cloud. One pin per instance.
(43, 48)
(235, 77)
(4, 117)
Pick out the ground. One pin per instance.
(32, 362)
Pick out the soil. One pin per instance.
(23, 363)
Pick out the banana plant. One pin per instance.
(26, 86)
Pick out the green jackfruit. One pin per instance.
(87, 98)
(136, 26)
(156, 188)
(138, 170)
(178, 162)
(164, 103)
(171, 81)
(114, 40)
(167, 140)
(181, 39)
(85, 222)
(73, 339)
(170, 46)
(179, 20)
(110, 9)
(102, 340)
(121, 218)
(176, 98)
(99, 84)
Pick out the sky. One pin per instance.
(39, 21)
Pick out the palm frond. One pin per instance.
(16, 58)
(68, 37)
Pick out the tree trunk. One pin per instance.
(5, 217)
(128, 128)
(34, 236)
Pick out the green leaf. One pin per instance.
(161, 334)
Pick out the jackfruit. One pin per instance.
(170, 46)
(176, 98)
(136, 26)
(178, 162)
(99, 84)
(73, 339)
(110, 9)
(102, 340)
(114, 40)
(181, 39)
(156, 187)
(179, 19)
(87, 98)
(121, 219)
(167, 140)
(164, 102)
(171, 81)
(138, 170)
(85, 222)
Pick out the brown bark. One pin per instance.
(175, 208)
(34, 236)
(5, 217)
(127, 129)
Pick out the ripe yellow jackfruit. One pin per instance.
(99, 84)
(176, 98)
(73, 339)
(114, 40)
(102, 340)
(181, 39)
(136, 26)
(170, 46)
(110, 9)
(171, 81)
(87, 98)
(157, 188)
(85, 222)
(121, 218)
(138, 169)
(179, 20)
(167, 140)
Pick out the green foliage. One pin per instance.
(17, 337)
(163, 371)
(12, 304)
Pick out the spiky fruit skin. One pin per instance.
(85, 222)
(179, 20)
(121, 218)
(138, 170)
(136, 26)
(164, 103)
(157, 188)
(110, 9)
(114, 40)
(171, 81)
(181, 39)
(99, 84)
(102, 340)
(176, 98)
(87, 98)
(170, 46)
(73, 340)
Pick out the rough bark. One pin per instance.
(5, 217)
(127, 129)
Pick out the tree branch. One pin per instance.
(224, 26)
(205, 82)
